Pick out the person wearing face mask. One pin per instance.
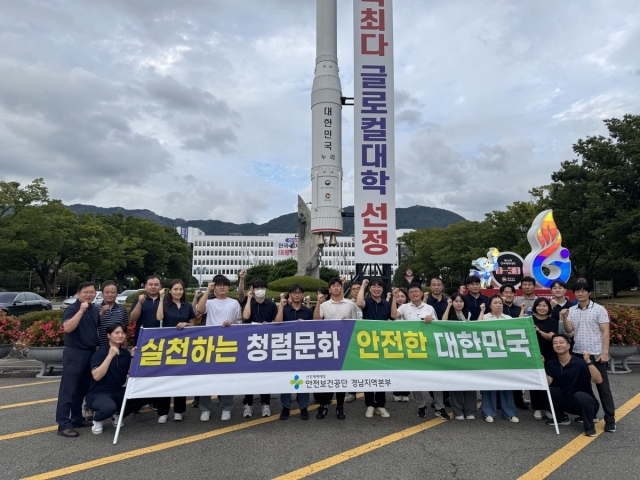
(259, 309)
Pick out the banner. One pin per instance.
(374, 150)
(337, 355)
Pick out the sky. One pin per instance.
(200, 109)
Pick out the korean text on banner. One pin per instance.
(339, 355)
(374, 168)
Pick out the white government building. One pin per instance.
(228, 254)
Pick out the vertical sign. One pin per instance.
(374, 169)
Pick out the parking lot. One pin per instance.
(403, 446)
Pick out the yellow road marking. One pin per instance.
(29, 384)
(26, 404)
(557, 459)
(361, 450)
(155, 448)
(26, 433)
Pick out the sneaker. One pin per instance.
(350, 398)
(610, 427)
(514, 419)
(471, 417)
(195, 404)
(422, 412)
(397, 398)
(442, 413)
(266, 411)
(204, 416)
(226, 415)
(114, 420)
(537, 414)
(383, 412)
(459, 417)
(590, 433)
(564, 421)
(369, 412)
(340, 413)
(163, 418)
(488, 419)
(547, 414)
(526, 397)
(248, 411)
(304, 414)
(97, 428)
(405, 398)
(579, 420)
(177, 417)
(322, 412)
(284, 414)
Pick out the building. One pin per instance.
(228, 254)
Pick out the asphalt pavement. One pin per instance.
(400, 447)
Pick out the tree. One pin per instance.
(259, 271)
(12, 197)
(327, 273)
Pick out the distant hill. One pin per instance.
(416, 217)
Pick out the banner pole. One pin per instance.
(124, 404)
(553, 412)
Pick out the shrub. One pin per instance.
(28, 319)
(624, 325)
(44, 333)
(9, 329)
(309, 284)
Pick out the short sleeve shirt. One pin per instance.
(117, 313)
(409, 311)
(263, 312)
(518, 301)
(221, 310)
(440, 306)
(571, 378)
(174, 315)
(85, 335)
(490, 316)
(290, 314)
(116, 376)
(473, 304)
(331, 310)
(376, 310)
(586, 325)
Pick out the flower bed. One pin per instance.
(624, 325)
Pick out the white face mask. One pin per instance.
(260, 293)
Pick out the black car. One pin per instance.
(18, 303)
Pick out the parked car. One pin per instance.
(18, 303)
(72, 300)
(122, 297)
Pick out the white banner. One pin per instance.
(374, 155)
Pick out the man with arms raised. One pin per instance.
(80, 322)
(145, 307)
(528, 286)
(111, 312)
(570, 380)
(335, 308)
(436, 298)
(474, 299)
(589, 322)
(221, 311)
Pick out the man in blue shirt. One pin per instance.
(80, 322)
(435, 298)
(145, 307)
(474, 298)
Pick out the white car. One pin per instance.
(122, 298)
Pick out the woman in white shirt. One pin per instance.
(490, 397)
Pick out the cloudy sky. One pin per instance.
(201, 108)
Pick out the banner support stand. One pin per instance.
(553, 412)
(124, 404)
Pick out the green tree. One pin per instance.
(262, 271)
(327, 273)
(282, 269)
(12, 197)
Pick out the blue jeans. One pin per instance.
(303, 400)
(489, 403)
(226, 403)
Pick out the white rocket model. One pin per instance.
(326, 126)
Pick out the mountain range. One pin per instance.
(416, 217)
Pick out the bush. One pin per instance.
(28, 319)
(327, 274)
(624, 326)
(309, 284)
(9, 329)
(44, 333)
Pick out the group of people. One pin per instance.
(573, 338)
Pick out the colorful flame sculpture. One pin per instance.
(546, 251)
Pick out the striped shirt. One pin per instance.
(117, 313)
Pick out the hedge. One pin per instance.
(309, 284)
(28, 319)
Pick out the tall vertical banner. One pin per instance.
(374, 155)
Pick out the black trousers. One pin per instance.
(104, 405)
(164, 404)
(325, 398)
(377, 399)
(604, 392)
(539, 400)
(74, 385)
(265, 398)
(581, 403)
